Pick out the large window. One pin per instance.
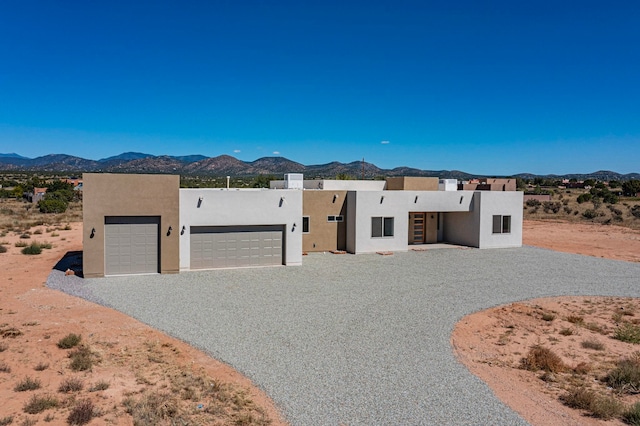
(381, 227)
(305, 224)
(501, 224)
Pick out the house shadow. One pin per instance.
(71, 261)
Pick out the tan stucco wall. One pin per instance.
(130, 195)
(323, 235)
(412, 184)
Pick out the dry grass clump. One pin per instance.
(82, 359)
(72, 384)
(4, 367)
(626, 376)
(99, 386)
(542, 358)
(6, 420)
(592, 343)
(27, 384)
(82, 413)
(548, 317)
(41, 366)
(627, 332)
(599, 406)
(10, 332)
(69, 341)
(3, 346)
(39, 403)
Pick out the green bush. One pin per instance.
(32, 249)
(590, 214)
(52, 205)
(583, 198)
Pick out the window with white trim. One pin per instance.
(305, 224)
(335, 218)
(381, 227)
(501, 224)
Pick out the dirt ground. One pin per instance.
(137, 362)
(492, 343)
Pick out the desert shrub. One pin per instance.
(21, 244)
(4, 367)
(566, 332)
(82, 413)
(3, 248)
(27, 384)
(568, 209)
(39, 403)
(542, 358)
(615, 211)
(583, 198)
(152, 408)
(41, 366)
(32, 249)
(548, 316)
(53, 205)
(602, 407)
(55, 234)
(81, 359)
(532, 203)
(606, 407)
(25, 236)
(99, 386)
(590, 214)
(71, 384)
(69, 341)
(582, 368)
(575, 319)
(3, 346)
(635, 211)
(551, 206)
(578, 397)
(67, 227)
(626, 376)
(627, 332)
(631, 416)
(5, 421)
(37, 232)
(593, 344)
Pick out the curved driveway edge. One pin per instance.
(358, 340)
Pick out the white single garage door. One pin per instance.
(233, 247)
(131, 245)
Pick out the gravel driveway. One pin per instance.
(357, 340)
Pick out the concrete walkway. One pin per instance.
(360, 340)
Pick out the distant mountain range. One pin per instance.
(226, 165)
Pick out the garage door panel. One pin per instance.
(236, 246)
(131, 245)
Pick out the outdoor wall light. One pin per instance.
(381, 199)
(93, 233)
(335, 197)
(461, 198)
(282, 201)
(416, 200)
(169, 231)
(200, 201)
(182, 230)
(293, 228)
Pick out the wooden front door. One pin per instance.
(417, 228)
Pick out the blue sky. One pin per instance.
(495, 87)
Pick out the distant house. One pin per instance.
(36, 195)
(155, 226)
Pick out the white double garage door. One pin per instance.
(232, 247)
(132, 246)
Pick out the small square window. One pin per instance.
(501, 224)
(381, 227)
